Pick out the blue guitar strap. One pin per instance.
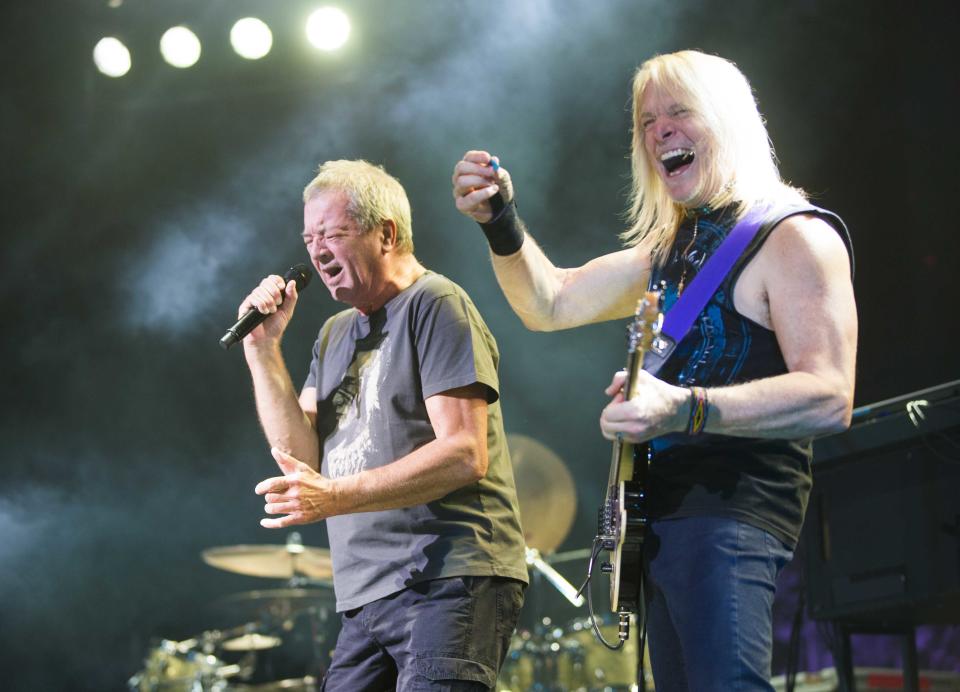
(688, 307)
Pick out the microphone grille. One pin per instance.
(301, 273)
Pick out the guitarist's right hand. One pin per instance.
(656, 409)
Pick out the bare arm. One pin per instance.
(547, 298)
(457, 457)
(544, 296)
(804, 275)
(288, 421)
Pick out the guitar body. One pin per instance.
(623, 518)
(627, 555)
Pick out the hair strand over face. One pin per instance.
(737, 163)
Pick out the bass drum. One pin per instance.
(168, 670)
(584, 664)
(305, 684)
(529, 665)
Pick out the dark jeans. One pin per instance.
(444, 634)
(710, 590)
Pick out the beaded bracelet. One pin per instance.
(698, 411)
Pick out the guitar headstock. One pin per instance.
(647, 320)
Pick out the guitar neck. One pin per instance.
(621, 467)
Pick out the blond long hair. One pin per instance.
(740, 164)
(375, 196)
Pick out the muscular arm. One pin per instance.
(544, 296)
(547, 298)
(806, 279)
(806, 296)
(457, 457)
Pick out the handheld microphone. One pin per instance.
(299, 272)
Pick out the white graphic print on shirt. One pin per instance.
(355, 423)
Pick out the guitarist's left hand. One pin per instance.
(657, 409)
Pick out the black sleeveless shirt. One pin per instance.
(762, 482)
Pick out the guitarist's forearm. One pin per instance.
(790, 406)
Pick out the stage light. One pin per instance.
(328, 28)
(251, 38)
(180, 47)
(111, 57)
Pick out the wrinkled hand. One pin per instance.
(267, 299)
(475, 182)
(657, 409)
(301, 493)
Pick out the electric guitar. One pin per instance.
(622, 517)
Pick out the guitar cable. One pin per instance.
(623, 632)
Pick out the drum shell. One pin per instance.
(167, 670)
(586, 664)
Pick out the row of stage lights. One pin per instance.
(327, 28)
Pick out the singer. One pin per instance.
(396, 440)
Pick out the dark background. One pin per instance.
(138, 212)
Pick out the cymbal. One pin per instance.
(545, 490)
(276, 603)
(251, 642)
(277, 561)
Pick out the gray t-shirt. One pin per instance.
(373, 374)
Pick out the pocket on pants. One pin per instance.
(509, 603)
(437, 668)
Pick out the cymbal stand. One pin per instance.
(566, 589)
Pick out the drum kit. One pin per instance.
(568, 659)
(546, 657)
(286, 632)
(289, 631)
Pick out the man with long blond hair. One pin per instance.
(767, 365)
(396, 440)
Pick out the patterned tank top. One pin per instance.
(763, 482)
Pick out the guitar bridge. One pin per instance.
(608, 519)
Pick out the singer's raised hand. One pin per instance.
(271, 298)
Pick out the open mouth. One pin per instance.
(330, 272)
(675, 161)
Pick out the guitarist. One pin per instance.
(767, 365)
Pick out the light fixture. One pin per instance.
(251, 38)
(328, 28)
(180, 47)
(111, 57)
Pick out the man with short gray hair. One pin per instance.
(396, 440)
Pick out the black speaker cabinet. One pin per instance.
(882, 534)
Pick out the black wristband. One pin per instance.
(505, 231)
